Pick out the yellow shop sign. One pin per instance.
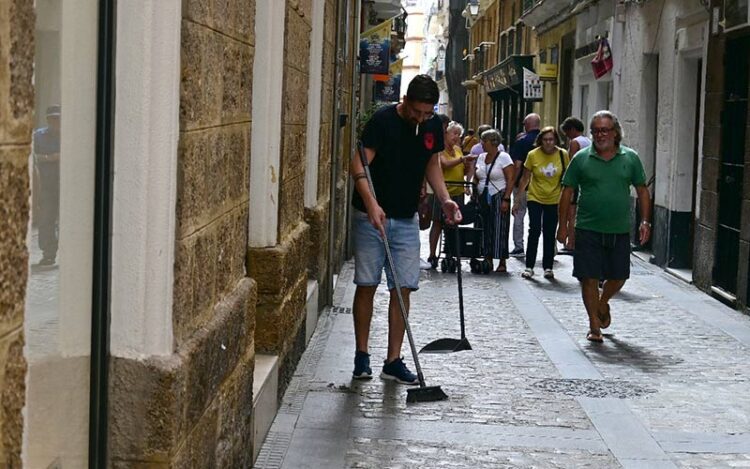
(547, 71)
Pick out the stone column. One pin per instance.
(16, 109)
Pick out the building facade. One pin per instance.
(502, 46)
(722, 235)
(174, 180)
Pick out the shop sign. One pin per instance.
(547, 72)
(375, 49)
(389, 90)
(532, 86)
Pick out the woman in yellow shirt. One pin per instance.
(545, 167)
(452, 161)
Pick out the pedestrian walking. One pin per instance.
(453, 164)
(401, 143)
(469, 140)
(604, 172)
(518, 152)
(47, 166)
(544, 167)
(495, 177)
(573, 129)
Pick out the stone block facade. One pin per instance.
(16, 113)
(194, 408)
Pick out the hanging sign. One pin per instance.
(388, 91)
(375, 49)
(532, 86)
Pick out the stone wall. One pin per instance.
(281, 271)
(194, 409)
(16, 109)
(318, 217)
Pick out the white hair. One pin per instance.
(455, 125)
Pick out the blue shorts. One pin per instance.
(369, 251)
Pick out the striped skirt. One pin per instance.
(496, 227)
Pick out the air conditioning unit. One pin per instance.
(736, 14)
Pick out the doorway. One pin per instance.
(733, 122)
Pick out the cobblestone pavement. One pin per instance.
(670, 386)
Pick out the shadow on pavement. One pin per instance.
(625, 354)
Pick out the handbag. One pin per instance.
(424, 209)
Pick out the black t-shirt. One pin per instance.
(521, 149)
(401, 157)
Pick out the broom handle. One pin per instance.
(402, 305)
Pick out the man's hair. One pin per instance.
(470, 132)
(572, 123)
(483, 128)
(444, 119)
(492, 136)
(423, 89)
(615, 123)
(543, 132)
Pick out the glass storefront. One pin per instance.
(60, 240)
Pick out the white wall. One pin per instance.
(660, 122)
(265, 162)
(145, 184)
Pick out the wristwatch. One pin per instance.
(647, 223)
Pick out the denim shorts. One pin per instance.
(369, 251)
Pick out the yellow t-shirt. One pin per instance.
(455, 173)
(546, 173)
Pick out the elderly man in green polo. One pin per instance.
(603, 172)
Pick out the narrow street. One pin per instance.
(668, 387)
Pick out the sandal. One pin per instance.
(594, 337)
(605, 319)
(501, 269)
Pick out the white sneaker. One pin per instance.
(528, 273)
(548, 273)
(424, 265)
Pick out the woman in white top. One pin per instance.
(495, 174)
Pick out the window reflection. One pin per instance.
(57, 322)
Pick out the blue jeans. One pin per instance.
(369, 251)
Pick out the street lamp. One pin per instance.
(473, 8)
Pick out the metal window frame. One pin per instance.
(100, 298)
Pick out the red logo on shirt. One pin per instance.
(429, 140)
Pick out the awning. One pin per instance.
(507, 76)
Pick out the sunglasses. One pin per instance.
(601, 130)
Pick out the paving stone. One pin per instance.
(668, 388)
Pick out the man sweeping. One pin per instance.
(401, 143)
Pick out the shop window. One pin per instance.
(57, 322)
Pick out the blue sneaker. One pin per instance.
(362, 368)
(398, 372)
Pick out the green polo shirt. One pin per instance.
(604, 188)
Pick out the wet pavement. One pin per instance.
(669, 387)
